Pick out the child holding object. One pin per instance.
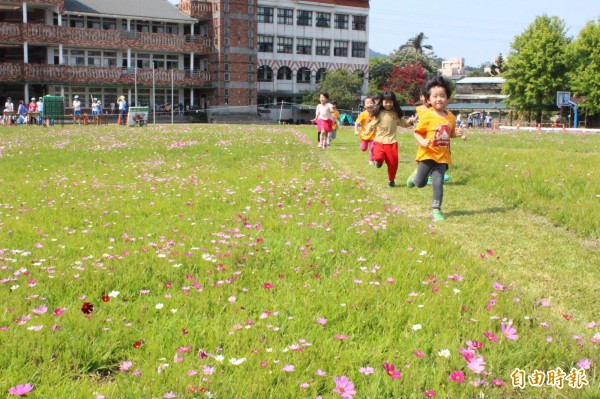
(324, 119)
(433, 133)
(366, 138)
(386, 116)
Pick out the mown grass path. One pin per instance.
(530, 251)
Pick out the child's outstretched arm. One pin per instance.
(458, 132)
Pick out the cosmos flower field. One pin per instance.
(242, 262)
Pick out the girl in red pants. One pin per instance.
(386, 116)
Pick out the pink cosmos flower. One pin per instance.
(288, 368)
(267, 285)
(509, 331)
(430, 393)
(477, 365)
(497, 383)
(344, 387)
(390, 369)
(491, 336)
(322, 321)
(419, 353)
(341, 337)
(366, 370)
(474, 345)
(498, 287)
(169, 395)
(125, 366)
(457, 376)
(584, 364)
(207, 370)
(321, 373)
(20, 390)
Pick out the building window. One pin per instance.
(322, 47)
(265, 15)
(94, 58)
(340, 48)
(284, 73)
(341, 21)
(323, 20)
(320, 76)
(359, 49)
(285, 45)
(285, 16)
(226, 77)
(303, 75)
(304, 18)
(359, 22)
(265, 44)
(304, 46)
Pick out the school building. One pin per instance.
(299, 41)
(201, 53)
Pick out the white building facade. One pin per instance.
(299, 41)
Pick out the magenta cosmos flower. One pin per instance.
(20, 390)
(344, 387)
(430, 393)
(390, 369)
(457, 376)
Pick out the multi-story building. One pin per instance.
(200, 53)
(453, 67)
(142, 49)
(298, 41)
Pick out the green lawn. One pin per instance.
(242, 262)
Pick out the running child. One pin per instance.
(336, 121)
(366, 138)
(433, 133)
(386, 116)
(324, 119)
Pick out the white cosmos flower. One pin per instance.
(236, 362)
(444, 353)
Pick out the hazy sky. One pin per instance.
(475, 30)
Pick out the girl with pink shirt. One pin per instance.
(324, 119)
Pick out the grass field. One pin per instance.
(242, 262)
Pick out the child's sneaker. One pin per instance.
(372, 163)
(391, 184)
(410, 183)
(437, 216)
(446, 177)
(379, 164)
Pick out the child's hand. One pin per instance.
(459, 133)
(425, 142)
(355, 132)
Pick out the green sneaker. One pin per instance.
(437, 216)
(410, 182)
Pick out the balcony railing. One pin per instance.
(196, 9)
(65, 74)
(11, 33)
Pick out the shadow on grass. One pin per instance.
(480, 211)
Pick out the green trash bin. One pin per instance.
(137, 116)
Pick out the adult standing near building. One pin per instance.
(9, 108)
(32, 110)
(76, 109)
(40, 110)
(122, 111)
(488, 121)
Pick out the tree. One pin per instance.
(585, 80)
(406, 82)
(537, 66)
(416, 43)
(498, 66)
(343, 86)
(379, 71)
(407, 56)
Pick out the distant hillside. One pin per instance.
(375, 54)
